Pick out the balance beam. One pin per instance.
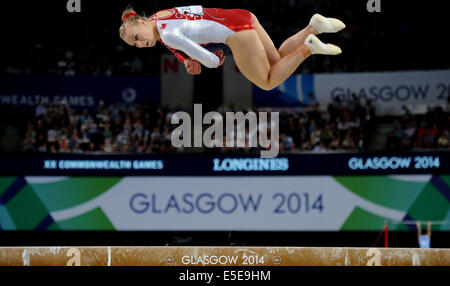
(221, 256)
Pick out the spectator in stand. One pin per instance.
(354, 104)
(85, 117)
(410, 129)
(101, 111)
(421, 134)
(405, 143)
(398, 132)
(287, 143)
(63, 144)
(348, 143)
(320, 148)
(52, 137)
(75, 139)
(41, 110)
(28, 144)
(422, 131)
(444, 139)
(108, 146)
(335, 143)
(84, 139)
(53, 149)
(74, 118)
(434, 133)
(77, 149)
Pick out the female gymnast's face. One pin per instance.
(142, 35)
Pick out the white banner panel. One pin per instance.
(229, 203)
(389, 91)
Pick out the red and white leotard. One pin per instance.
(186, 29)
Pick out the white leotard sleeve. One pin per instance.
(177, 40)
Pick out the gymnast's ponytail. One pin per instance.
(129, 17)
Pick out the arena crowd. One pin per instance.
(147, 128)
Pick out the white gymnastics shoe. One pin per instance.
(326, 25)
(317, 47)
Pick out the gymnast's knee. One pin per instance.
(267, 85)
(254, 19)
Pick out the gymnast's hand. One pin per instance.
(192, 66)
(221, 57)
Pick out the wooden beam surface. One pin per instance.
(221, 256)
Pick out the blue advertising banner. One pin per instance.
(194, 192)
(22, 93)
(226, 165)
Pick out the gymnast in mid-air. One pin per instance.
(187, 30)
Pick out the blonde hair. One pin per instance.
(131, 20)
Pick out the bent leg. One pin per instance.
(251, 58)
(259, 61)
(272, 53)
(288, 46)
(318, 24)
(295, 41)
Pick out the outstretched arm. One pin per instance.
(419, 229)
